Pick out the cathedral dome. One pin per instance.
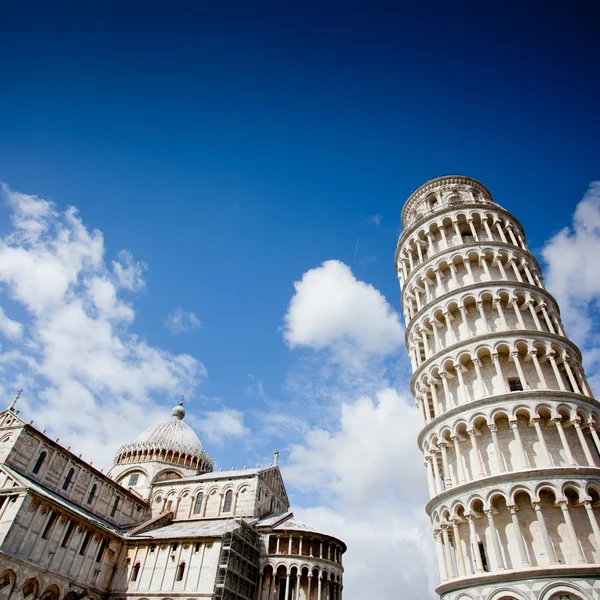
(172, 441)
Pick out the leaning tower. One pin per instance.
(508, 419)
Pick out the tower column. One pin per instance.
(544, 530)
(475, 544)
(495, 541)
(439, 547)
(564, 507)
(520, 543)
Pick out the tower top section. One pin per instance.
(443, 192)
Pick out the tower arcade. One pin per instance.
(508, 419)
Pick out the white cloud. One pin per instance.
(573, 268)
(180, 321)
(333, 310)
(88, 378)
(216, 426)
(375, 219)
(369, 477)
(9, 328)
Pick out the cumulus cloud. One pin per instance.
(88, 377)
(368, 479)
(217, 426)
(333, 310)
(180, 321)
(573, 268)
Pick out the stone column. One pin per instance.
(486, 226)
(558, 424)
(544, 530)
(436, 404)
(460, 559)
(515, 304)
(509, 228)
(494, 432)
(499, 373)
(486, 269)
(457, 232)
(595, 437)
(525, 562)
(593, 520)
(547, 318)
(515, 428)
(475, 544)
(582, 382)
(473, 230)
(478, 466)
(564, 507)
(538, 368)
(498, 305)
(486, 327)
(500, 231)
(439, 547)
(447, 399)
(557, 374)
(500, 265)
(444, 238)
(583, 442)
(452, 268)
(482, 385)
(448, 555)
(495, 541)
(436, 337)
(461, 384)
(430, 477)
(459, 461)
(534, 315)
(540, 434)
(436, 472)
(524, 384)
(513, 262)
(445, 467)
(571, 376)
(465, 319)
(448, 320)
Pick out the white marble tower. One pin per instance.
(508, 419)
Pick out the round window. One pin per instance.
(158, 500)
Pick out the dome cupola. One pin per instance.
(173, 442)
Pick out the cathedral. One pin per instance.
(161, 524)
(509, 423)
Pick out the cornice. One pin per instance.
(569, 472)
(422, 190)
(502, 335)
(496, 579)
(512, 397)
(455, 249)
(447, 209)
(472, 287)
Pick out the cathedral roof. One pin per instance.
(172, 438)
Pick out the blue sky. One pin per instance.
(234, 149)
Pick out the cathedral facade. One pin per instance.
(508, 419)
(160, 525)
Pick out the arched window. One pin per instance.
(92, 493)
(68, 478)
(180, 571)
(198, 503)
(228, 500)
(135, 572)
(115, 506)
(39, 462)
